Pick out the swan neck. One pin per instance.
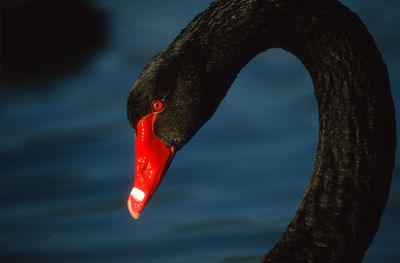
(346, 195)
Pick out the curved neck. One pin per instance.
(347, 192)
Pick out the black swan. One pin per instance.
(180, 89)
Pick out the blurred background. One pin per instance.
(67, 150)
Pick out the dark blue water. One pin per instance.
(66, 154)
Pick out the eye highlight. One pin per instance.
(157, 105)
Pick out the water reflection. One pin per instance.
(41, 38)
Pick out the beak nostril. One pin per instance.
(142, 164)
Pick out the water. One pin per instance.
(66, 154)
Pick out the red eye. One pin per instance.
(157, 105)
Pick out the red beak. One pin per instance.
(152, 161)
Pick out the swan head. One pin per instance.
(167, 105)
